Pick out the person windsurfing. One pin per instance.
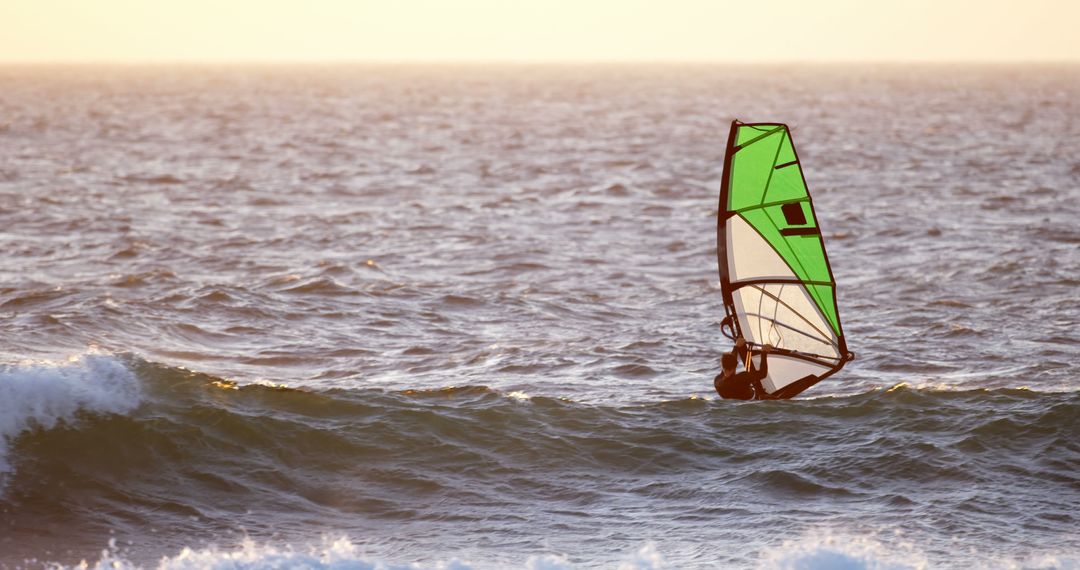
(745, 385)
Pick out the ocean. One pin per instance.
(466, 317)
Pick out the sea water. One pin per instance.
(466, 317)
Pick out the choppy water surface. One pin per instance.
(379, 315)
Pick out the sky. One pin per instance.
(747, 31)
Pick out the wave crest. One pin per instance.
(40, 395)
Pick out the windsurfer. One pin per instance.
(745, 385)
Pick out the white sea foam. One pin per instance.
(816, 551)
(39, 395)
(519, 396)
(333, 554)
(825, 550)
(1044, 562)
(646, 558)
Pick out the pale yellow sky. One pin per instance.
(539, 30)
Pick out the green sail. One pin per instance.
(767, 189)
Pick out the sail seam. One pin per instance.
(768, 204)
(748, 282)
(757, 138)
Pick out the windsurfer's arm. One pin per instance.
(740, 350)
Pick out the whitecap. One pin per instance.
(827, 550)
(40, 395)
(332, 553)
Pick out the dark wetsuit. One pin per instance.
(742, 386)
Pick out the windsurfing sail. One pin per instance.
(775, 277)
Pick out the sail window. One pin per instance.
(794, 215)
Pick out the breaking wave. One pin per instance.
(108, 445)
(42, 395)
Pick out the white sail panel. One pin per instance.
(784, 315)
(784, 370)
(781, 314)
(750, 256)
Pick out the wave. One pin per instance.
(41, 395)
(119, 444)
(108, 399)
